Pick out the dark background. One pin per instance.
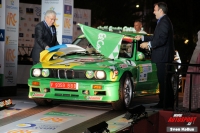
(184, 14)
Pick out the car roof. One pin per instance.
(127, 31)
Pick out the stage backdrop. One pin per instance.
(9, 16)
(82, 16)
(29, 16)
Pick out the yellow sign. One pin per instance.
(67, 23)
(10, 55)
(22, 131)
(11, 19)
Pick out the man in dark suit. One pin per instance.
(45, 35)
(162, 45)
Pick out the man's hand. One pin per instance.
(46, 47)
(144, 45)
(138, 37)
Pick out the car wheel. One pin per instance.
(125, 93)
(43, 102)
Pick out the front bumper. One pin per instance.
(84, 92)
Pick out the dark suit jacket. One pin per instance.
(162, 41)
(43, 38)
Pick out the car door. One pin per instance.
(146, 76)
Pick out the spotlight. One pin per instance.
(99, 128)
(135, 112)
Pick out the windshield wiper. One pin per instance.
(76, 53)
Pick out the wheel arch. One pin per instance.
(120, 104)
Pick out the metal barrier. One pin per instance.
(181, 71)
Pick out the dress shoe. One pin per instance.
(157, 106)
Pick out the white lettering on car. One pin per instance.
(100, 41)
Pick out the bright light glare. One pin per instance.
(186, 41)
(36, 72)
(100, 74)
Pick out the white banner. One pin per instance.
(67, 22)
(2, 36)
(11, 42)
(64, 12)
(82, 16)
(2, 14)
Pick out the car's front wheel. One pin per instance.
(125, 93)
(43, 102)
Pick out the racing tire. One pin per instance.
(43, 102)
(125, 93)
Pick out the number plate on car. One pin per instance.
(64, 85)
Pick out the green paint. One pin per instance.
(55, 113)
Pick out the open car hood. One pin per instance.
(62, 60)
(59, 50)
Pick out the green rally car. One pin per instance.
(99, 66)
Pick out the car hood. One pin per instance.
(85, 62)
(79, 61)
(59, 51)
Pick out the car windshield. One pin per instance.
(126, 49)
(83, 42)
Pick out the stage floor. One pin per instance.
(76, 117)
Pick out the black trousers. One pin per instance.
(166, 95)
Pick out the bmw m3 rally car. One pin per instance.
(99, 66)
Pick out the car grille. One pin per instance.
(67, 74)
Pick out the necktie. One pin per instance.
(51, 30)
(158, 21)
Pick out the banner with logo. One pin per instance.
(82, 16)
(2, 38)
(11, 16)
(64, 18)
(67, 25)
(107, 43)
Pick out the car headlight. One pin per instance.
(89, 74)
(36, 72)
(100, 74)
(45, 72)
